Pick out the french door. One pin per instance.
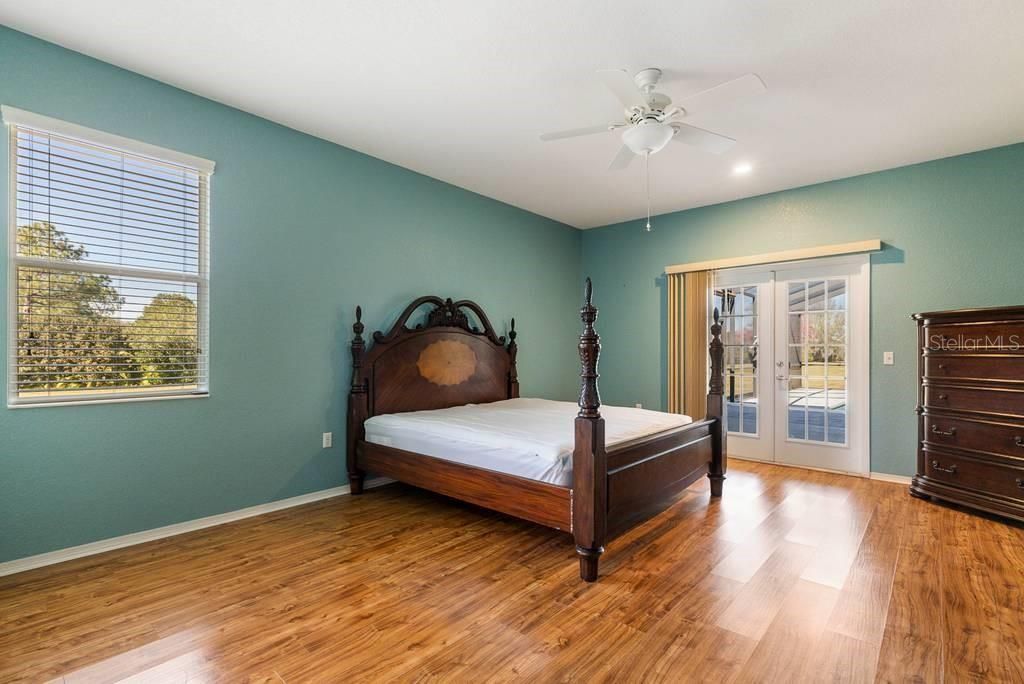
(796, 362)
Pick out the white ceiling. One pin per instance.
(460, 90)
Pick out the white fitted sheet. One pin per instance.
(531, 438)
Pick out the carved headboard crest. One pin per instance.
(445, 314)
(450, 357)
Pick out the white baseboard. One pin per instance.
(103, 545)
(886, 477)
(881, 477)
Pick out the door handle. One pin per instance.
(782, 377)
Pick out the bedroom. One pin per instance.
(330, 157)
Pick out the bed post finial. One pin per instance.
(590, 350)
(358, 346)
(716, 390)
(513, 373)
(358, 405)
(716, 384)
(589, 458)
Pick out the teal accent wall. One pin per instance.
(302, 231)
(954, 237)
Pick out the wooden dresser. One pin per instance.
(971, 409)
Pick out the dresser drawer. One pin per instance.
(993, 366)
(970, 474)
(974, 336)
(1006, 440)
(1007, 402)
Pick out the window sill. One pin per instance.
(113, 400)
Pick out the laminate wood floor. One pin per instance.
(794, 576)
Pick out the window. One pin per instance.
(108, 266)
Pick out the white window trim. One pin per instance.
(19, 117)
(13, 118)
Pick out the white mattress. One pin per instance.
(531, 438)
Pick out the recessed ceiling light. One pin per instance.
(742, 169)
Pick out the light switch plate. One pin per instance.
(888, 358)
(328, 440)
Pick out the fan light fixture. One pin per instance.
(651, 121)
(648, 138)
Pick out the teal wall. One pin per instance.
(954, 237)
(302, 231)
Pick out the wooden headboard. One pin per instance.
(447, 360)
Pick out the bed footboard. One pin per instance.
(612, 490)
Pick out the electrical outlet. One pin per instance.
(888, 358)
(639, 405)
(328, 440)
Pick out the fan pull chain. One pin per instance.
(647, 173)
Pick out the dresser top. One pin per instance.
(994, 312)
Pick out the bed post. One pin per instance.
(716, 390)
(358, 406)
(589, 461)
(513, 374)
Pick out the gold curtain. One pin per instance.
(688, 342)
(675, 343)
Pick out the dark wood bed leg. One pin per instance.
(358, 407)
(589, 460)
(716, 408)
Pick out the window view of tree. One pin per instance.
(75, 331)
(164, 341)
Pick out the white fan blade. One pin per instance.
(622, 159)
(622, 86)
(698, 137)
(575, 132)
(724, 94)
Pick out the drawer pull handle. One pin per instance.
(1019, 441)
(951, 432)
(951, 469)
(1020, 483)
(942, 366)
(943, 397)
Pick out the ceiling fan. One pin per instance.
(651, 121)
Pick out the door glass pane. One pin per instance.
(836, 324)
(837, 295)
(739, 335)
(837, 425)
(817, 410)
(814, 360)
(749, 301)
(816, 295)
(796, 408)
(814, 328)
(797, 296)
(748, 405)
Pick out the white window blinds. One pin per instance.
(110, 268)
